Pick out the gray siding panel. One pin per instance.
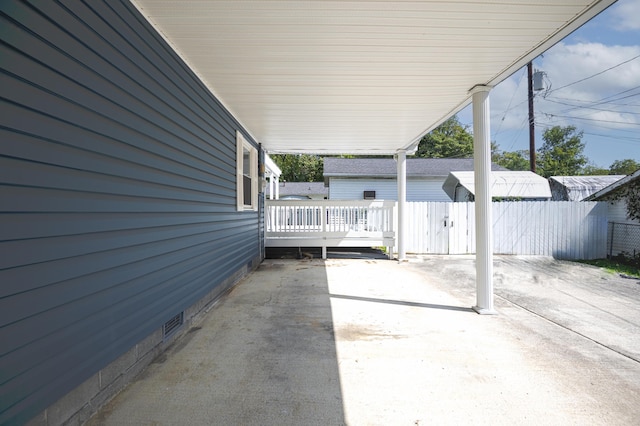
(117, 189)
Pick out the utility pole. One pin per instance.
(532, 134)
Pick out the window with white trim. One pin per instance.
(246, 174)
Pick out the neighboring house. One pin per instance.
(624, 232)
(376, 178)
(577, 188)
(311, 190)
(506, 185)
(614, 194)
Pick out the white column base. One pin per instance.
(484, 311)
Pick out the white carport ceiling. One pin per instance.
(356, 76)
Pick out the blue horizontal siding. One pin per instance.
(117, 189)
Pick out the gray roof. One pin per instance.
(577, 188)
(614, 186)
(301, 188)
(387, 167)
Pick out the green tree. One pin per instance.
(624, 167)
(299, 167)
(561, 153)
(633, 200)
(593, 170)
(449, 140)
(516, 160)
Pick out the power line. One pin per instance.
(559, 117)
(616, 138)
(592, 119)
(590, 107)
(600, 101)
(605, 100)
(595, 75)
(497, 132)
(619, 93)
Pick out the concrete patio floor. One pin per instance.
(377, 342)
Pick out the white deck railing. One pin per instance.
(329, 223)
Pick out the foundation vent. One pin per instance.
(172, 325)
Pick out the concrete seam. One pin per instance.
(568, 329)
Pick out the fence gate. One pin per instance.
(437, 228)
(462, 227)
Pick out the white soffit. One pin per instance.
(356, 76)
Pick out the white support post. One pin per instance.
(272, 189)
(277, 188)
(482, 176)
(402, 204)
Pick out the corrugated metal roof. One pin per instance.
(388, 168)
(365, 76)
(504, 184)
(577, 188)
(614, 186)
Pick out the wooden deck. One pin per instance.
(330, 223)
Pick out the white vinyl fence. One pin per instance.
(562, 229)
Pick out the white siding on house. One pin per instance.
(353, 189)
(426, 190)
(618, 213)
(387, 189)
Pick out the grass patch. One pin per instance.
(613, 266)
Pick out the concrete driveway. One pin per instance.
(376, 342)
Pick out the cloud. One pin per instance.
(576, 87)
(591, 88)
(626, 15)
(588, 81)
(509, 103)
(568, 63)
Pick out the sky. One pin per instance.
(592, 82)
